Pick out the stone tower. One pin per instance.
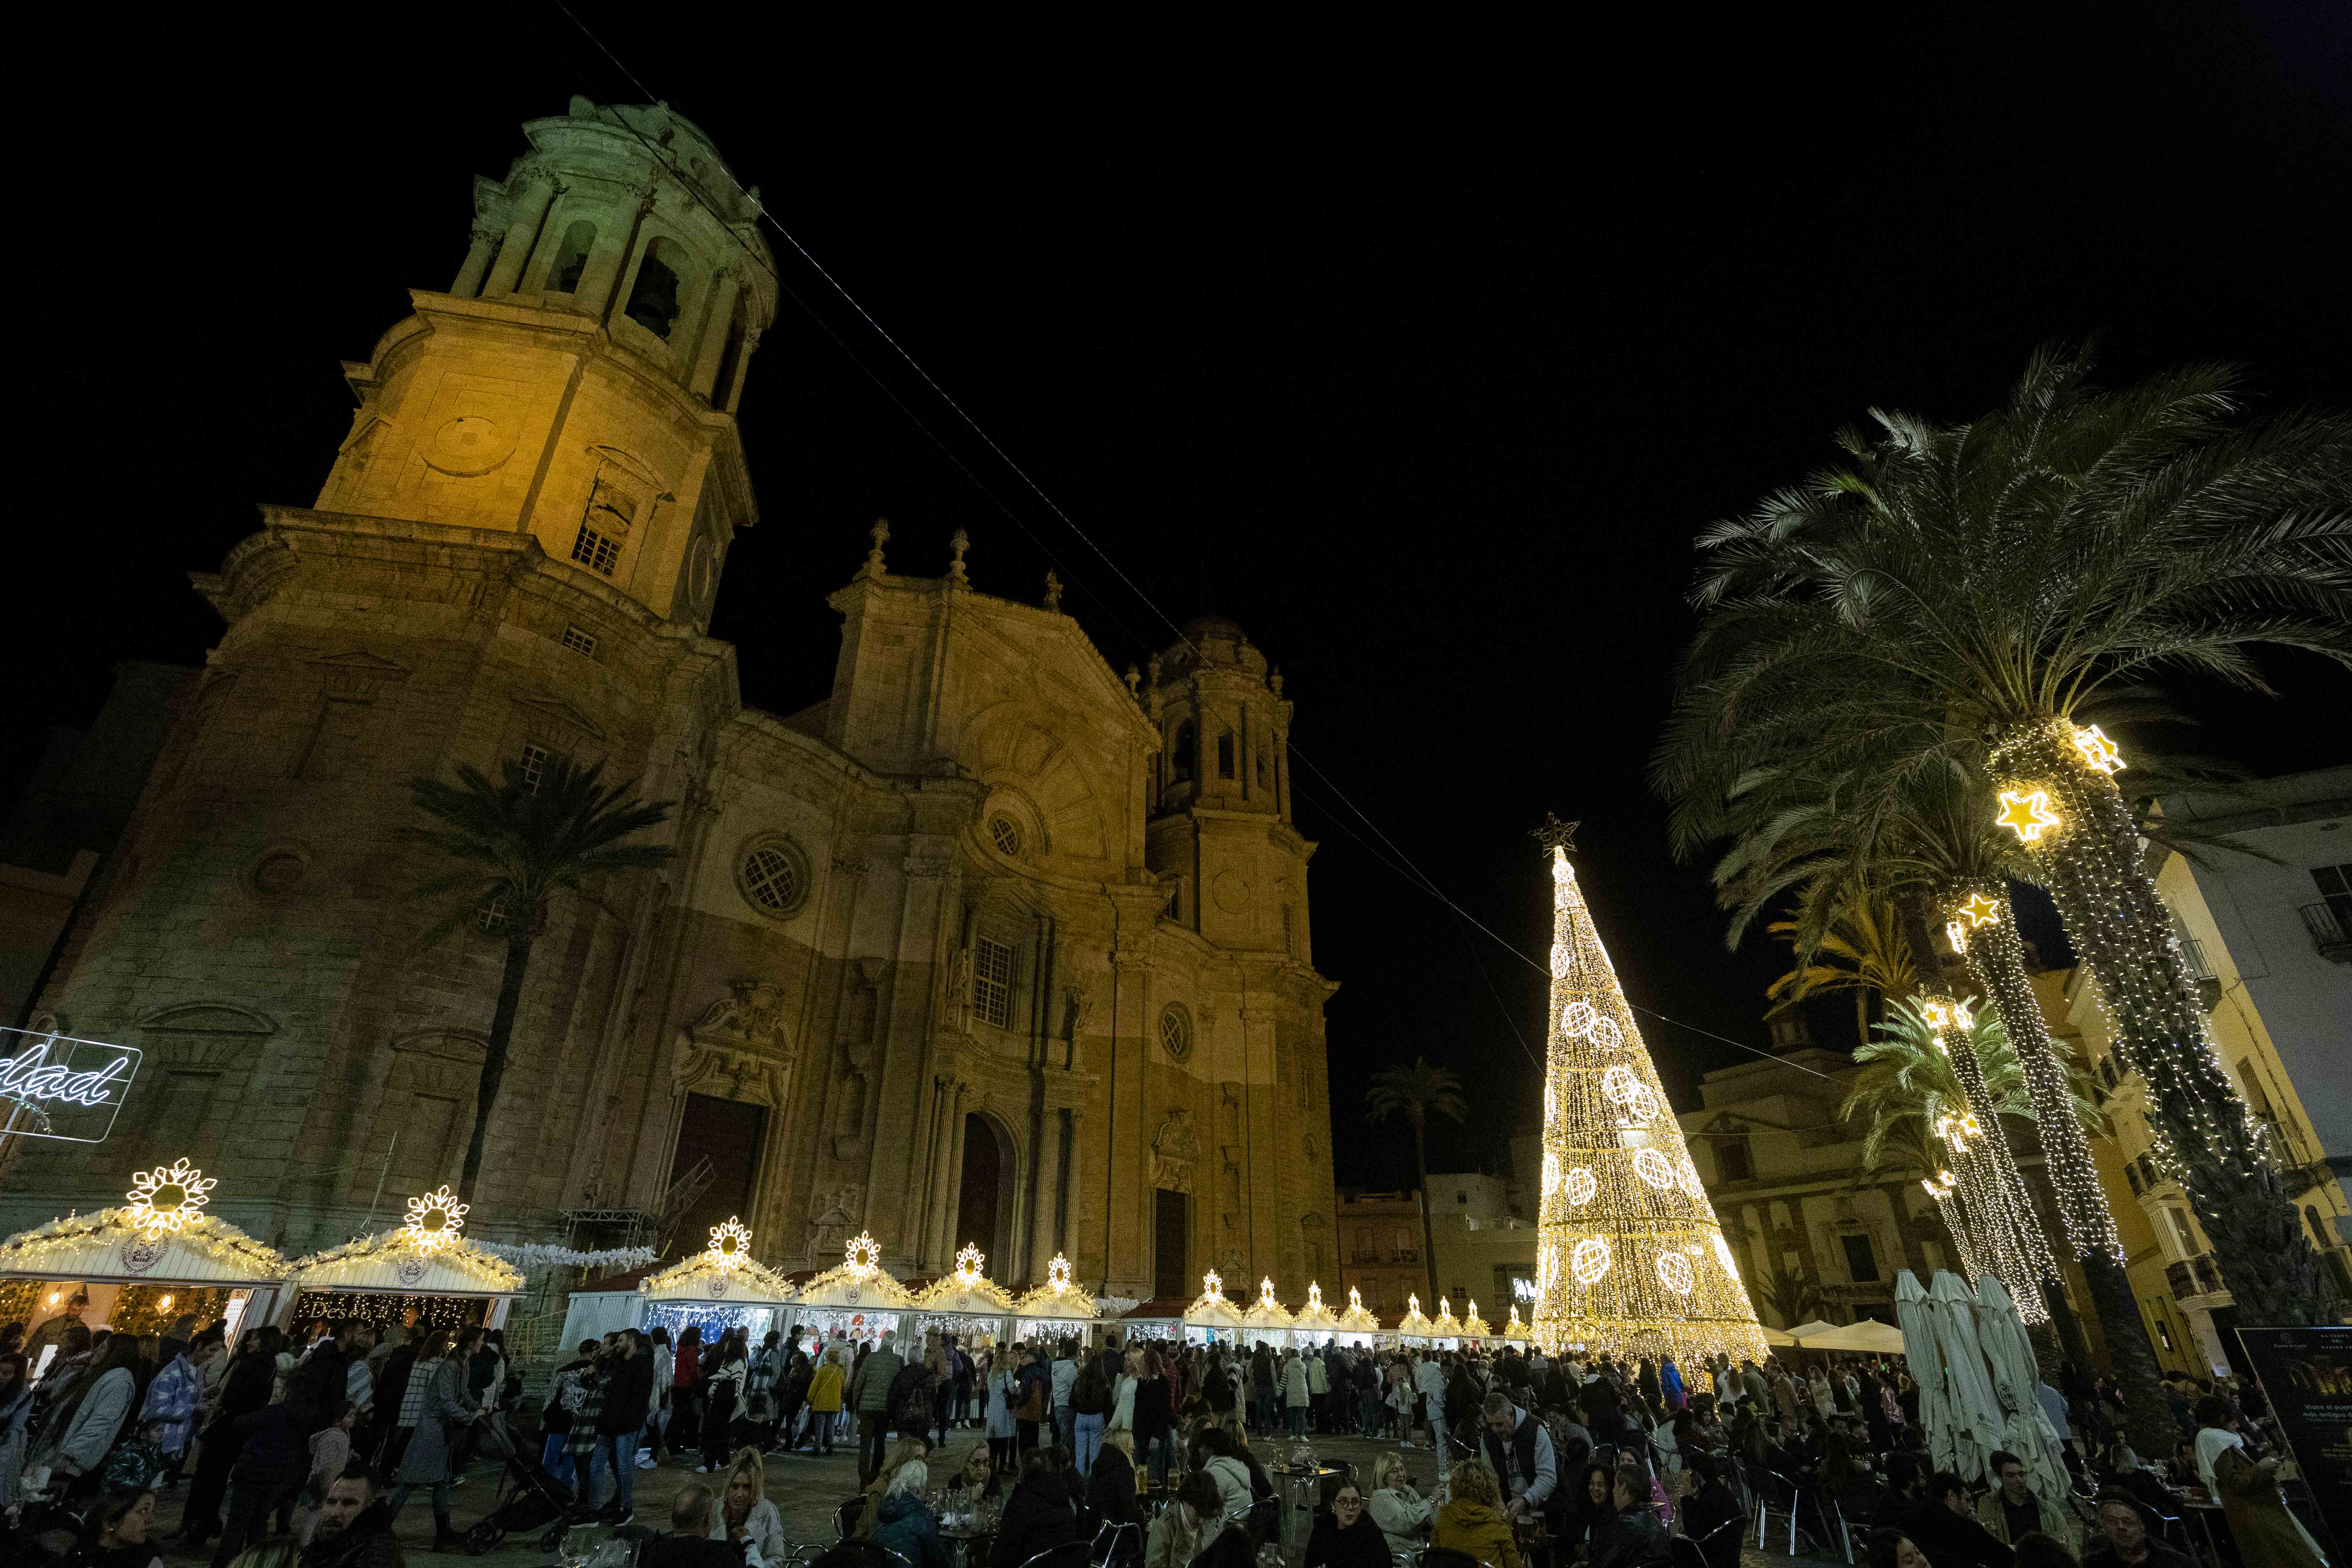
(513, 558)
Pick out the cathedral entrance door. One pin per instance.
(1170, 1227)
(983, 1192)
(727, 1134)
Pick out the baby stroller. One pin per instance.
(529, 1499)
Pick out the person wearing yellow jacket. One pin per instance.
(824, 1399)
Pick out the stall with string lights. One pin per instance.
(966, 1303)
(146, 1263)
(857, 1299)
(1445, 1329)
(1058, 1309)
(720, 1288)
(1210, 1317)
(1358, 1326)
(1314, 1324)
(1514, 1332)
(1413, 1329)
(425, 1264)
(1267, 1320)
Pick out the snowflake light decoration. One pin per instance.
(2026, 813)
(863, 1257)
(2098, 752)
(167, 1197)
(730, 1243)
(1265, 1294)
(1590, 1261)
(1058, 1275)
(1355, 1299)
(434, 1220)
(1314, 1297)
(969, 1259)
(1212, 1288)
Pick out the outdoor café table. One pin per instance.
(967, 1544)
(1299, 1487)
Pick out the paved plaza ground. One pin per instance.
(806, 1489)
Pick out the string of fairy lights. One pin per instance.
(1630, 1256)
(2008, 1234)
(1984, 931)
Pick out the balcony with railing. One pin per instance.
(2197, 1277)
(2330, 926)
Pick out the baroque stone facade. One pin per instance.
(991, 945)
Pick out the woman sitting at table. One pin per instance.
(743, 1512)
(1589, 1504)
(1212, 1454)
(907, 1525)
(1185, 1526)
(904, 1451)
(978, 1479)
(1345, 1535)
(1399, 1510)
(1632, 1537)
(1110, 1491)
(1474, 1521)
(1037, 1516)
(2268, 1536)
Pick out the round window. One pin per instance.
(772, 877)
(1006, 833)
(278, 872)
(1176, 1031)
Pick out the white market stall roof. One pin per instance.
(113, 1244)
(1474, 1326)
(1512, 1328)
(1265, 1313)
(858, 1282)
(1058, 1299)
(1315, 1317)
(966, 1289)
(391, 1262)
(1412, 1325)
(1356, 1320)
(702, 1278)
(1869, 1337)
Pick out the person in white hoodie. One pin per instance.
(85, 1428)
(1400, 1511)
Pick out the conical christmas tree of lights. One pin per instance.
(1629, 1259)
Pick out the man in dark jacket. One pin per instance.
(315, 1390)
(353, 1529)
(1037, 1515)
(869, 1396)
(1110, 1494)
(628, 1394)
(270, 1466)
(688, 1542)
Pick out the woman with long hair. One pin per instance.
(87, 1420)
(725, 1367)
(743, 1512)
(115, 1535)
(2267, 1534)
(1155, 1414)
(244, 1388)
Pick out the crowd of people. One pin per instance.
(304, 1452)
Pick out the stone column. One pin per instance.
(936, 1182)
(726, 398)
(717, 316)
(520, 235)
(953, 1178)
(478, 261)
(1047, 1166)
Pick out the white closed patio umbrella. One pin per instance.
(1974, 1412)
(1927, 1359)
(2025, 1427)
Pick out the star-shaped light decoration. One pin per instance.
(1511, 1327)
(863, 1256)
(434, 1220)
(1314, 1297)
(2098, 752)
(1211, 1287)
(731, 1244)
(1411, 1305)
(1980, 910)
(1265, 1294)
(1355, 1299)
(1058, 1275)
(2026, 813)
(167, 1197)
(1936, 1012)
(968, 1264)
(1961, 1018)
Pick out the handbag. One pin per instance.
(1034, 1407)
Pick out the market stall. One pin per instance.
(856, 1300)
(427, 1265)
(1058, 1309)
(1315, 1323)
(1211, 1318)
(1267, 1321)
(1357, 1326)
(966, 1304)
(1869, 1336)
(1445, 1330)
(720, 1288)
(142, 1265)
(1474, 1327)
(1413, 1329)
(1161, 1317)
(1514, 1332)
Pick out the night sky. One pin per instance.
(1421, 357)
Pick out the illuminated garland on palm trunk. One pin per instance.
(2057, 794)
(1630, 1257)
(1984, 920)
(2009, 1233)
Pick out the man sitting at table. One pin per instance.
(2013, 1510)
(2123, 1541)
(688, 1542)
(1520, 1451)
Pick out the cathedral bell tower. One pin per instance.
(578, 380)
(1220, 836)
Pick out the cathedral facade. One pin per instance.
(996, 944)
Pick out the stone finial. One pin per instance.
(1053, 590)
(1154, 668)
(958, 542)
(1273, 681)
(1134, 680)
(880, 534)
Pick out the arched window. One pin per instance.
(730, 360)
(1179, 756)
(1225, 755)
(654, 303)
(572, 260)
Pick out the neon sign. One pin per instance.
(54, 1086)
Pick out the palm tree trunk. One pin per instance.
(1997, 960)
(1428, 1229)
(494, 1053)
(2091, 863)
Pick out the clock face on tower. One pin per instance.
(701, 573)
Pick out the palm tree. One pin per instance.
(1858, 945)
(518, 844)
(1416, 1093)
(1787, 1294)
(1955, 598)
